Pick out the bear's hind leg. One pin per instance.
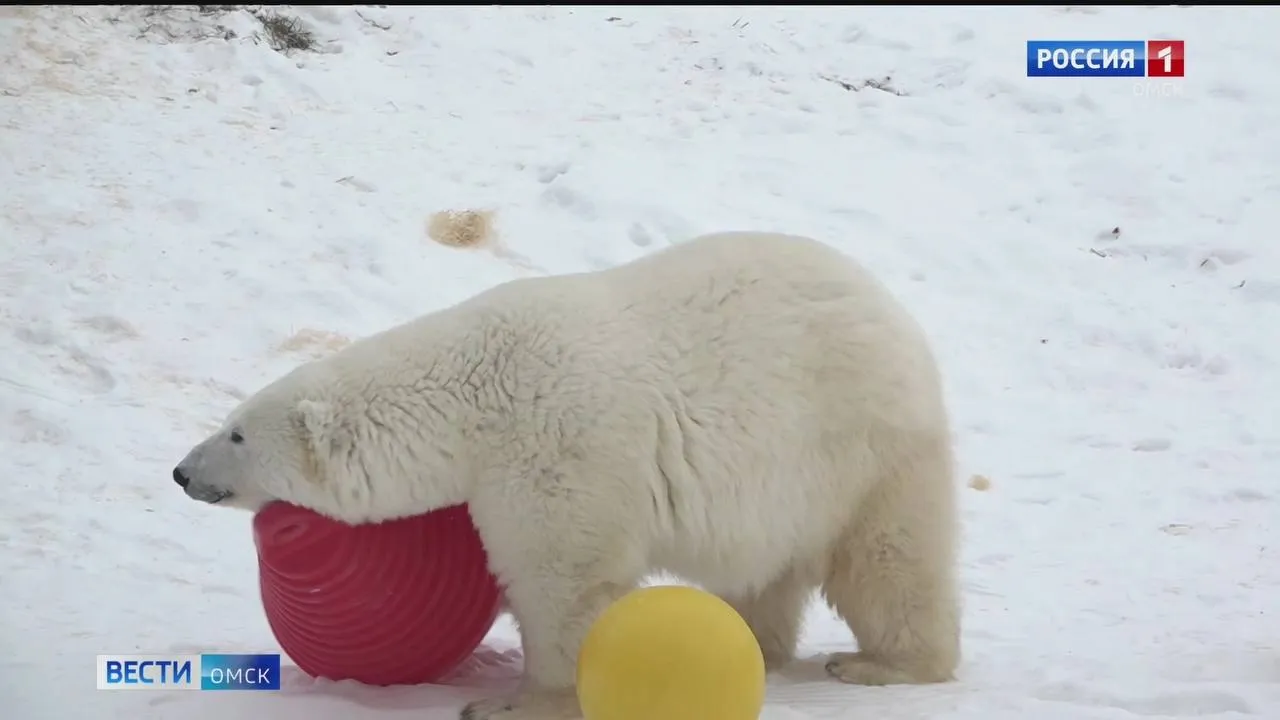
(892, 576)
(775, 615)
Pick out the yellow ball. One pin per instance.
(670, 653)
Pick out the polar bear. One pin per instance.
(752, 412)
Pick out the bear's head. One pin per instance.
(318, 442)
(266, 450)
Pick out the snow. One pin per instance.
(186, 217)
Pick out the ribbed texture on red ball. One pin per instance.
(396, 603)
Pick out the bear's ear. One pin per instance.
(325, 429)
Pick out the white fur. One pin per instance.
(752, 412)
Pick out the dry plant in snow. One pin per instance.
(315, 343)
(461, 228)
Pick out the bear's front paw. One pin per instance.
(557, 705)
(485, 709)
(859, 669)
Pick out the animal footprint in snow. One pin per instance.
(639, 235)
(184, 382)
(1267, 291)
(64, 359)
(573, 201)
(33, 429)
(1152, 445)
(110, 327)
(1178, 703)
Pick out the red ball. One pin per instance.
(396, 603)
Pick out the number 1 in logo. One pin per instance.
(1165, 58)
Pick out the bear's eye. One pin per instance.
(236, 437)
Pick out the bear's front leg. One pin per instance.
(554, 615)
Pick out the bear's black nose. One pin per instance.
(180, 477)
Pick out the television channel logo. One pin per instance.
(1106, 58)
(189, 672)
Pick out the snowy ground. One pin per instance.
(182, 221)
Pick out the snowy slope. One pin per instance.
(183, 220)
